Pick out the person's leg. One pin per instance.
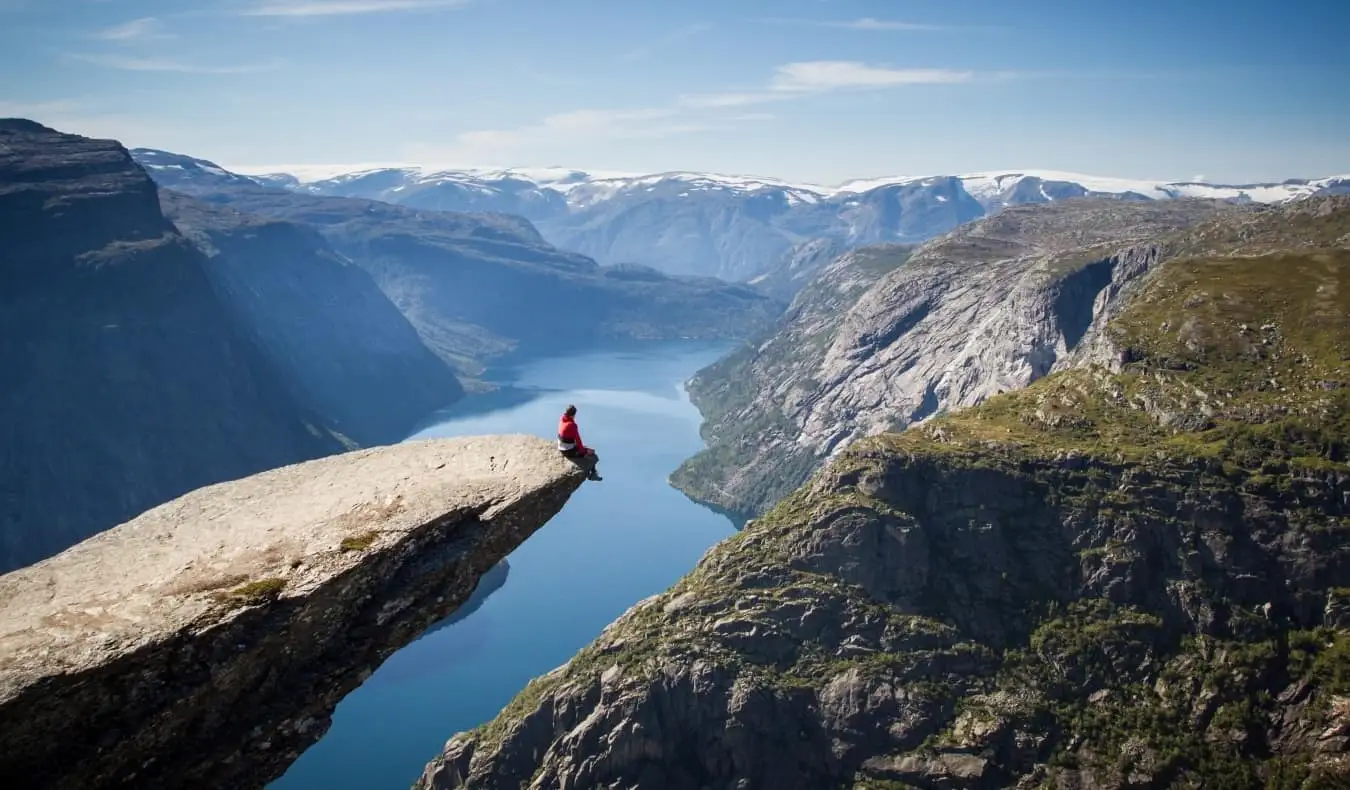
(591, 460)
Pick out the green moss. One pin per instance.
(1322, 655)
(358, 542)
(1238, 362)
(256, 592)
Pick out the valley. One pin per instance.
(1024, 479)
(1130, 572)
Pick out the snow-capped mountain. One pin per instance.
(734, 227)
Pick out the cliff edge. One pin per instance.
(1130, 574)
(207, 641)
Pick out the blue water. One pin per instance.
(615, 543)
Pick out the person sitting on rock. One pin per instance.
(569, 443)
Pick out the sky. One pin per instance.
(817, 91)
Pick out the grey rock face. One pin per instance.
(207, 641)
(1070, 585)
(987, 308)
(337, 341)
(798, 267)
(126, 381)
(977, 620)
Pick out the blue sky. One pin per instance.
(811, 90)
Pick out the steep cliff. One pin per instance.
(206, 642)
(798, 268)
(1129, 574)
(125, 381)
(987, 308)
(339, 344)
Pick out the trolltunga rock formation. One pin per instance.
(207, 641)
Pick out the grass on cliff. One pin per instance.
(1245, 361)
(255, 593)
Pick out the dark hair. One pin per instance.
(571, 410)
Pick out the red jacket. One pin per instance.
(568, 433)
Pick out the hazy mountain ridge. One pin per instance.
(127, 382)
(333, 336)
(479, 285)
(741, 227)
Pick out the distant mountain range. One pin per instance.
(735, 228)
(166, 333)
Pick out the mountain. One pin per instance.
(477, 286)
(127, 382)
(334, 338)
(740, 228)
(873, 345)
(786, 278)
(1134, 572)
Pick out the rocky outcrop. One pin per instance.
(206, 642)
(335, 339)
(987, 308)
(1125, 575)
(126, 383)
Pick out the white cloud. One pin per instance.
(80, 117)
(612, 124)
(826, 75)
(673, 37)
(302, 8)
(793, 80)
(691, 113)
(868, 23)
(125, 63)
(141, 29)
(36, 110)
(865, 23)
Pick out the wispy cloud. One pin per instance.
(36, 110)
(692, 113)
(794, 80)
(126, 63)
(622, 124)
(86, 117)
(865, 23)
(669, 39)
(304, 8)
(560, 129)
(827, 75)
(142, 29)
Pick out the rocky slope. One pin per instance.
(340, 345)
(206, 642)
(478, 286)
(989, 307)
(798, 268)
(1128, 574)
(738, 227)
(126, 382)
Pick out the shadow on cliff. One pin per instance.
(412, 662)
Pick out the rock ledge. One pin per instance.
(208, 640)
